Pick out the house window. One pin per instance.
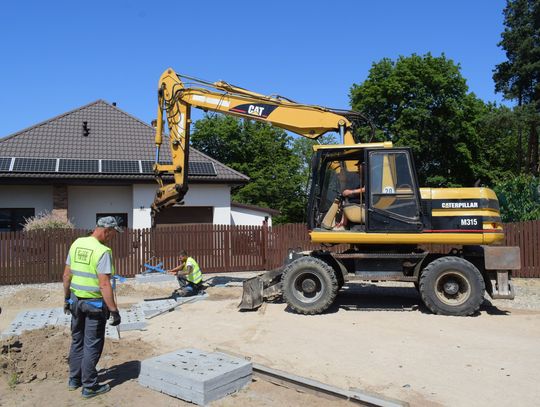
(13, 219)
(177, 215)
(121, 218)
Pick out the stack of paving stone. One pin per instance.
(154, 277)
(195, 376)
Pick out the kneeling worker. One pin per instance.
(189, 275)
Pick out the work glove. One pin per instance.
(115, 315)
(67, 306)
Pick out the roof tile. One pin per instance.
(112, 134)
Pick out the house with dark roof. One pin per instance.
(97, 160)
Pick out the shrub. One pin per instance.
(47, 221)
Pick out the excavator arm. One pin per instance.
(175, 101)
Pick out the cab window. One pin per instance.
(392, 186)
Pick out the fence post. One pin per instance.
(264, 244)
(227, 246)
(49, 238)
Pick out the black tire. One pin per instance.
(309, 285)
(452, 286)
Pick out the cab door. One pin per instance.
(393, 197)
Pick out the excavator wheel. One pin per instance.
(452, 286)
(309, 285)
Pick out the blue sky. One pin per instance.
(60, 55)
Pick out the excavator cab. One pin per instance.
(391, 202)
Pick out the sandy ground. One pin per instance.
(379, 339)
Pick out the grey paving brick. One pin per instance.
(194, 375)
(193, 298)
(150, 308)
(153, 278)
(132, 319)
(40, 318)
(111, 332)
(188, 394)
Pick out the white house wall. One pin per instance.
(243, 216)
(218, 196)
(85, 201)
(39, 197)
(143, 196)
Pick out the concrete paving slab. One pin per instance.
(193, 298)
(33, 319)
(150, 308)
(192, 396)
(132, 319)
(194, 375)
(40, 318)
(153, 278)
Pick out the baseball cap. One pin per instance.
(109, 222)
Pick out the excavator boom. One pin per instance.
(175, 101)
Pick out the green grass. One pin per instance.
(13, 380)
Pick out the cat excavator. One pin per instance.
(387, 225)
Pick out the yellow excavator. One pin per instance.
(365, 195)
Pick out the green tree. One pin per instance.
(423, 102)
(303, 148)
(519, 198)
(498, 130)
(261, 152)
(518, 78)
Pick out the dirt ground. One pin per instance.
(375, 338)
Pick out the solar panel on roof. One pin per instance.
(78, 166)
(4, 163)
(120, 166)
(195, 168)
(34, 165)
(201, 168)
(147, 167)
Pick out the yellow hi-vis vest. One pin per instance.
(84, 254)
(195, 276)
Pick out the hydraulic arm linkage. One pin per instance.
(175, 100)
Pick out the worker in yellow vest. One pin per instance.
(189, 275)
(90, 300)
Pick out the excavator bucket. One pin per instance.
(252, 295)
(259, 288)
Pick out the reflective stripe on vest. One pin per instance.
(85, 254)
(195, 276)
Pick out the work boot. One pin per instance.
(74, 384)
(89, 392)
(182, 292)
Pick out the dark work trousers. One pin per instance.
(88, 338)
(188, 287)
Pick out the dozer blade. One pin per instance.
(252, 296)
(258, 288)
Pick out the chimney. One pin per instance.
(86, 130)
(114, 103)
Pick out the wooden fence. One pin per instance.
(37, 257)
